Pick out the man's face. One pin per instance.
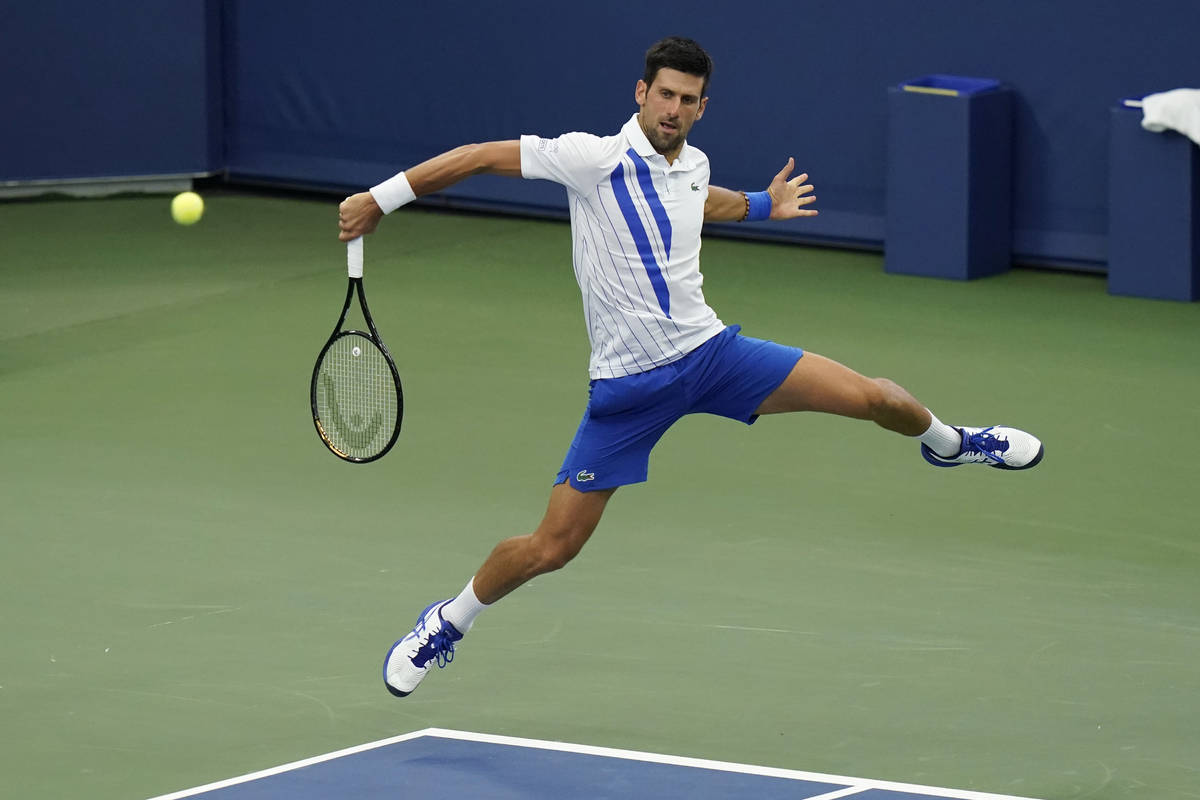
(669, 107)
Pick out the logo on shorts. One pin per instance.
(584, 476)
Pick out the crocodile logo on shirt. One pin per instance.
(695, 188)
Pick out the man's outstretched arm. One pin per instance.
(360, 213)
(788, 198)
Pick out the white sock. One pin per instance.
(942, 439)
(462, 610)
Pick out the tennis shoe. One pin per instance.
(430, 642)
(997, 446)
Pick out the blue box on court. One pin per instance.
(949, 178)
(1153, 211)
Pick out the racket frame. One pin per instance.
(354, 285)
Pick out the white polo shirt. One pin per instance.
(635, 224)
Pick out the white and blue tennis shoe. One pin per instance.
(431, 641)
(998, 446)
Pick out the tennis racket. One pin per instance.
(357, 400)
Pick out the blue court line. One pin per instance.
(447, 763)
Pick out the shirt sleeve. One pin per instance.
(579, 161)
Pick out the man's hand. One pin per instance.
(358, 214)
(789, 197)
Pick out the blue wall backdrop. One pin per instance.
(343, 95)
(112, 89)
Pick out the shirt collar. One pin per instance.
(641, 145)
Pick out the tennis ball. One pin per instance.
(187, 208)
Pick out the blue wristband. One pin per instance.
(760, 206)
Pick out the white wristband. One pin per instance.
(393, 193)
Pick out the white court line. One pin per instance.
(854, 785)
(860, 784)
(849, 790)
(266, 773)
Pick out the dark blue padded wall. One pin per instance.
(313, 93)
(112, 89)
(346, 98)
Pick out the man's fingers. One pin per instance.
(348, 224)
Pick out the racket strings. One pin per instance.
(357, 399)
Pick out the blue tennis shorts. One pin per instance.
(729, 375)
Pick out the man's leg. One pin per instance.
(817, 383)
(570, 518)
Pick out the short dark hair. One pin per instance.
(676, 52)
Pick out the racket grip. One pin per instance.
(354, 257)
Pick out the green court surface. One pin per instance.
(193, 588)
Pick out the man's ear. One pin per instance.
(639, 92)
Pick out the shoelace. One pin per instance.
(986, 445)
(443, 648)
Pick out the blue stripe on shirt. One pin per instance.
(640, 238)
(656, 206)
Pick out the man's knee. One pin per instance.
(886, 397)
(557, 546)
(556, 555)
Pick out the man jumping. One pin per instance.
(638, 200)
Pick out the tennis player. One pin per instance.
(638, 199)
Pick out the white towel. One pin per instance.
(1176, 110)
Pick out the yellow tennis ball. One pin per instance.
(187, 208)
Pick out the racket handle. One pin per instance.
(354, 257)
